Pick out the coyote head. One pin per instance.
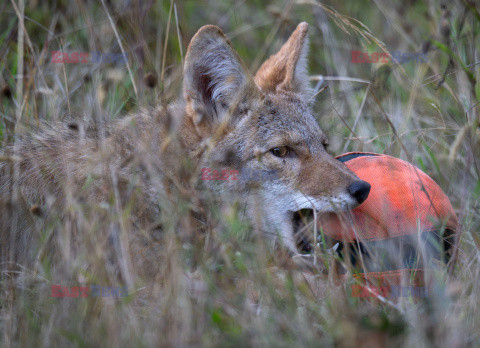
(265, 122)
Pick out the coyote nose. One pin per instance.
(359, 190)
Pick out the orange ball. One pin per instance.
(403, 200)
(405, 215)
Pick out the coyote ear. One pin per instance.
(287, 70)
(214, 75)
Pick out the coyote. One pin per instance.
(227, 119)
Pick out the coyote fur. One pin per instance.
(227, 118)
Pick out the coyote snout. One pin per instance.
(327, 180)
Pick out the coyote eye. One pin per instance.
(280, 151)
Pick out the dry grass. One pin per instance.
(223, 286)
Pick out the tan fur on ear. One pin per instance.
(216, 82)
(213, 69)
(287, 70)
